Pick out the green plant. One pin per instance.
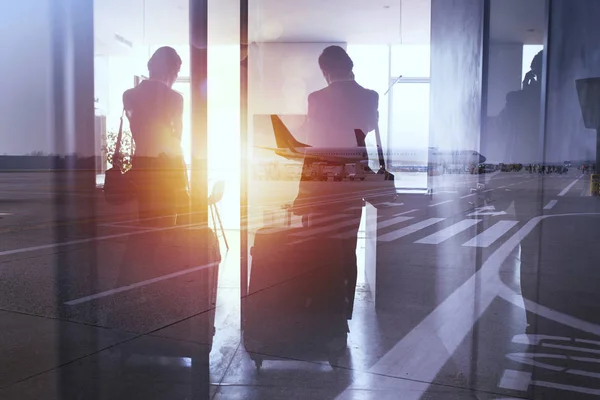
(126, 152)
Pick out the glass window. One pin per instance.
(410, 131)
(410, 116)
(410, 61)
(529, 52)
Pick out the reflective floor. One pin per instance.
(489, 294)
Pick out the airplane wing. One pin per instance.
(293, 156)
(267, 148)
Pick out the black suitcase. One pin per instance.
(296, 305)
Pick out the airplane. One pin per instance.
(291, 149)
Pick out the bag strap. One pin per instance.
(117, 151)
(379, 148)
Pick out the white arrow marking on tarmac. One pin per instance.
(424, 351)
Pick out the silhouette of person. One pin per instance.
(155, 112)
(520, 121)
(334, 113)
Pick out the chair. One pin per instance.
(216, 196)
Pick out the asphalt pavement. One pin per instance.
(485, 289)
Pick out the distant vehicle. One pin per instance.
(489, 168)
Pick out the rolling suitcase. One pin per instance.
(296, 305)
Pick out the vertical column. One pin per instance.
(244, 52)
(72, 31)
(458, 51)
(199, 177)
(73, 131)
(199, 108)
(456, 73)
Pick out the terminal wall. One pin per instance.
(574, 53)
(456, 73)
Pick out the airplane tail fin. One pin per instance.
(360, 137)
(283, 136)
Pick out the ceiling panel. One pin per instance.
(518, 21)
(157, 22)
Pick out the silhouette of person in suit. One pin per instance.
(334, 113)
(520, 119)
(155, 113)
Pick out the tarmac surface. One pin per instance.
(486, 289)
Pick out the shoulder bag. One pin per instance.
(119, 188)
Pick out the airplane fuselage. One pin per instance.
(333, 155)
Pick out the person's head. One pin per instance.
(335, 64)
(536, 64)
(164, 65)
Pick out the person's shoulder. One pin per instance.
(176, 100)
(318, 96)
(372, 94)
(129, 92)
(176, 95)
(128, 96)
(319, 93)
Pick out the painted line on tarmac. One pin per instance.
(110, 237)
(93, 239)
(438, 204)
(565, 190)
(406, 212)
(124, 226)
(564, 319)
(550, 205)
(424, 351)
(139, 284)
